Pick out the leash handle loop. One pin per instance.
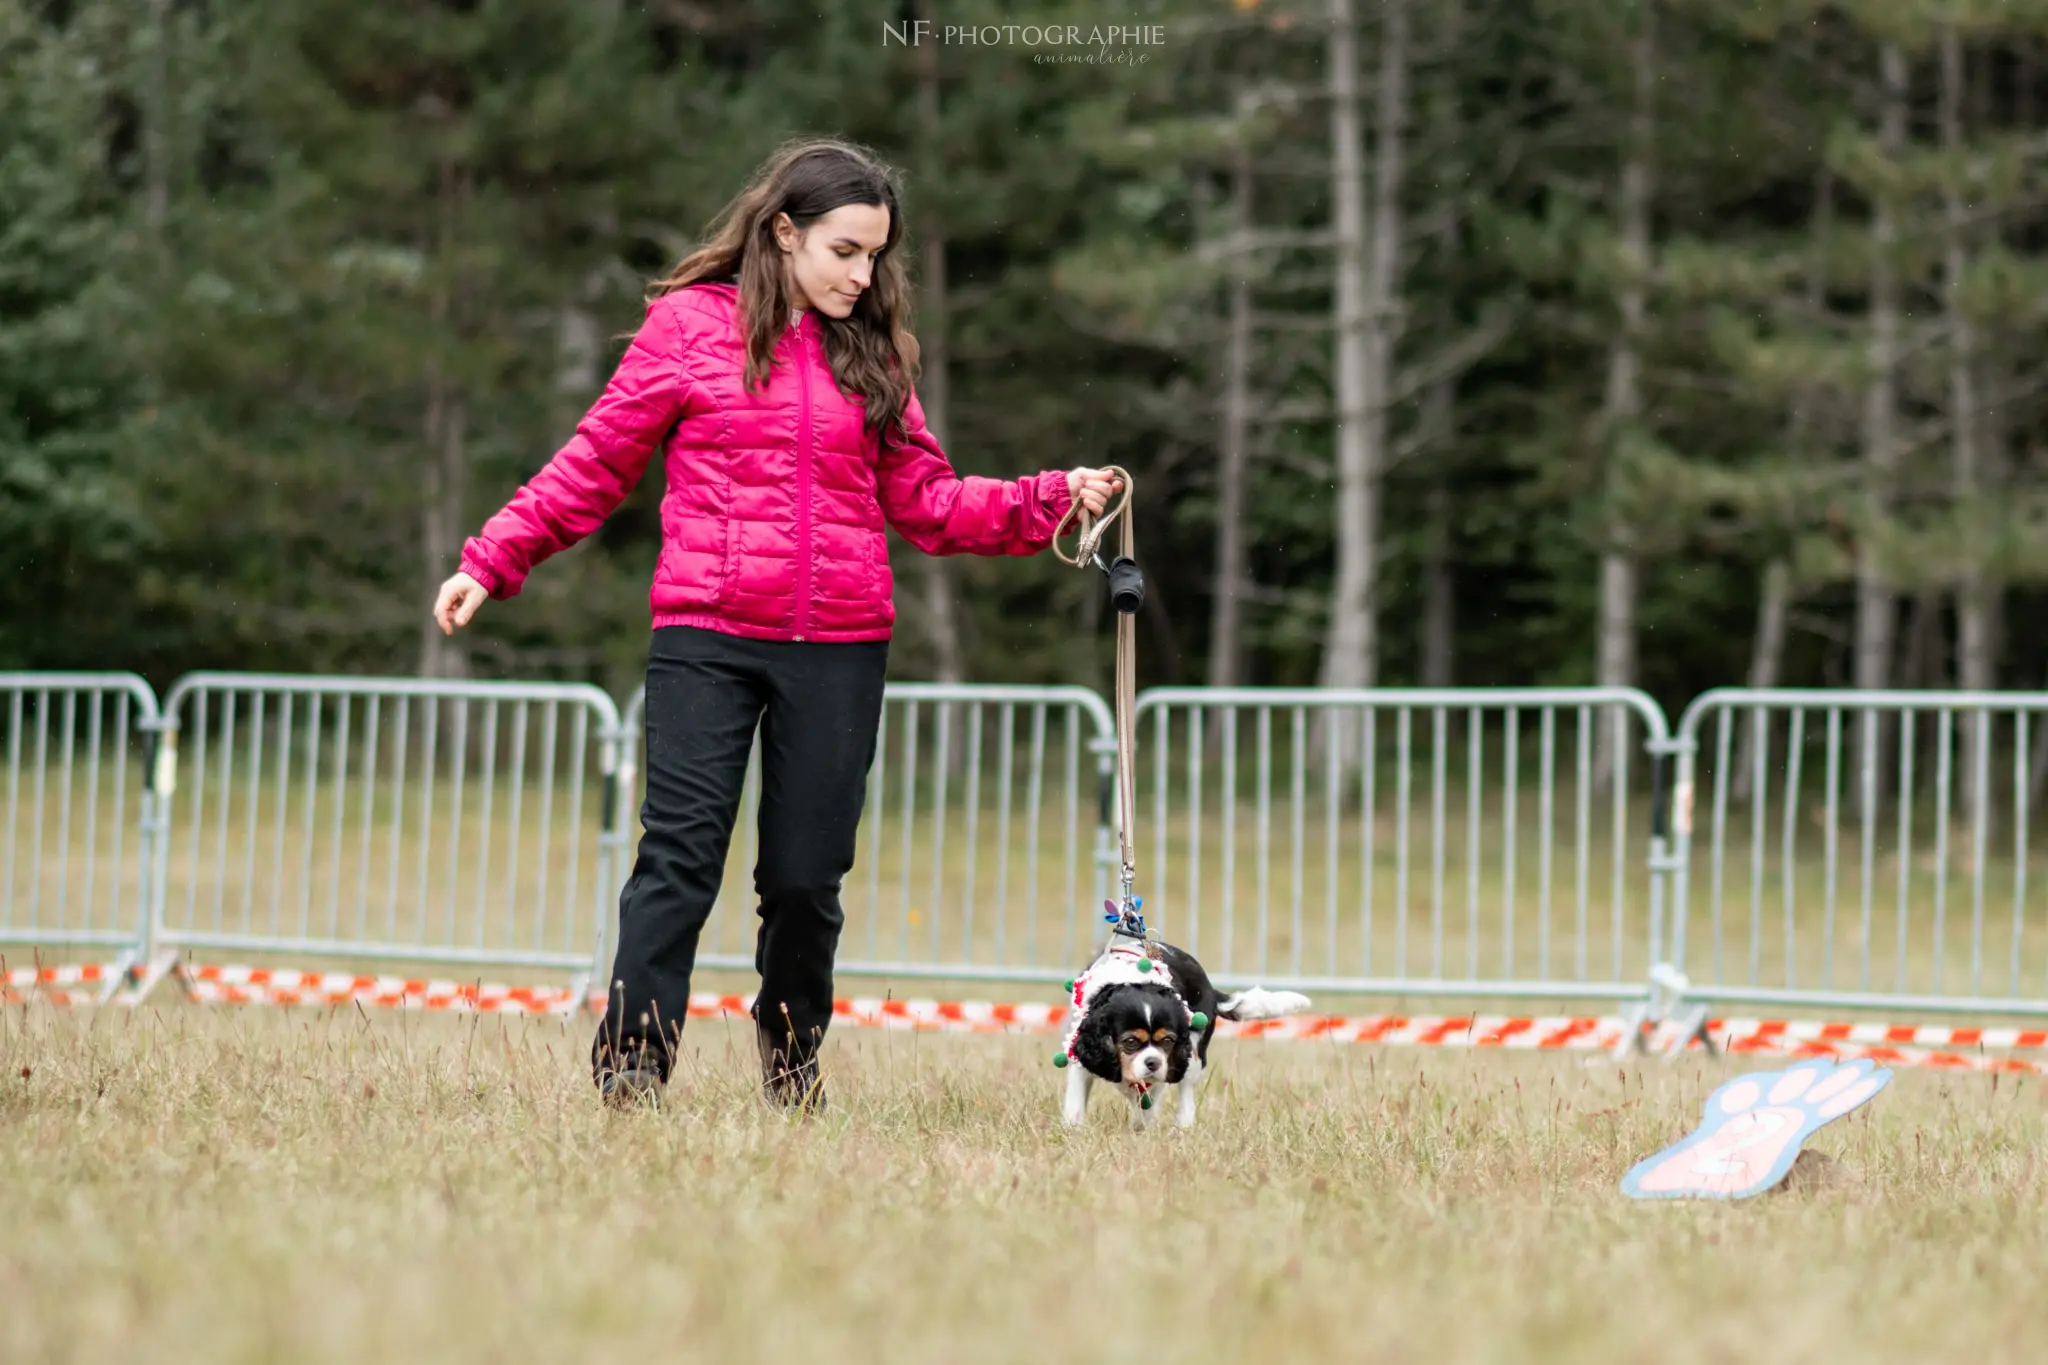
(1092, 529)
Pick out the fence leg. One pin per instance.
(123, 968)
(160, 783)
(1634, 1020)
(1664, 1022)
(1689, 1025)
(143, 977)
(579, 995)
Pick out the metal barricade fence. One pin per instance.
(985, 844)
(388, 819)
(1441, 842)
(80, 813)
(1831, 848)
(1861, 849)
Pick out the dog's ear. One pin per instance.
(1095, 1044)
(1183, 1053)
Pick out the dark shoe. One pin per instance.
(799, 1090)
(633, 1088)
(796, 1087)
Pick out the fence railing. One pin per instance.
(1457, 841)
(429, 821)
(80, 814)
(1826, 848)
(1862, 849)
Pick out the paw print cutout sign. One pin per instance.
(1753, 1129)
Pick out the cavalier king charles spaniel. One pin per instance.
(1141, 1018)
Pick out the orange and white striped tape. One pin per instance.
(1884, 1054)
(1797, 1031)
(1920, 1045)
(59, 985)
(215, 985)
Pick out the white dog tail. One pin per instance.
(1259, 1003)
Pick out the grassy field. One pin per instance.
(184, 1184)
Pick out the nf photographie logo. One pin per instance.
(1048, 42)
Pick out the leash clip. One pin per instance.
(1126, 922)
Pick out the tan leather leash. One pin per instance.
(1127, 595)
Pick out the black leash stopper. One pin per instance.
(1126, 585)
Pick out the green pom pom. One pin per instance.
(1200, 1021)
(1067, 986)
(1144, 964)
(1059, 1059)
(1144, 1101)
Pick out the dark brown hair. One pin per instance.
(871, 351)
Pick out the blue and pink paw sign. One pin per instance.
(1753, 1129)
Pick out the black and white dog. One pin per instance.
(1141, 1018)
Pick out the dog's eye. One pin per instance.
(1133, 1043)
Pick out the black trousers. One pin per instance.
(819, 708)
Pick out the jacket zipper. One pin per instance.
(803, 511)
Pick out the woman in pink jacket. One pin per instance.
(774, 373)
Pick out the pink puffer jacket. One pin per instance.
(772, 526)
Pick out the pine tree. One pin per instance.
(368, 311)
(74, 533)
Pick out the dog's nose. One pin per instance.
(1153, 1066)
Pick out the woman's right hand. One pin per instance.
(460, 597)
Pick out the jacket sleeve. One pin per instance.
(942, 513)
(590, 476)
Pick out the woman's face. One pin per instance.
(832, 263)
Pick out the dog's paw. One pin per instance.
(1752, 1131)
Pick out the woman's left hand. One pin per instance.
(1092, 488)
